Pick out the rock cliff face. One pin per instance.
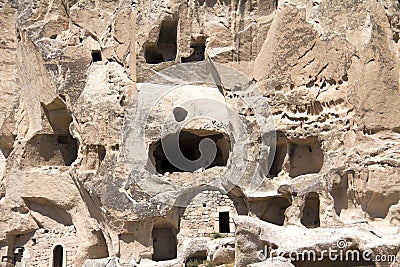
(181, 133)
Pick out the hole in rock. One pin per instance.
(271, 210)
(305, 156)
(51, 213)
(152, 55)
(58, 254)
(115, 147)
(396, 37)
(5, 149)
(55, 147)
(165, 50)
(180, 114)
(50, 150)
(57, 116)
(164, 243)
(339, 194)
(224, 222)
(377, 205)
(101, 152)
(96, 56)
(199, 46)
(310, 217)
(94, 155)
(279, 156)
(189, 147)
(167, 39)
(99, 249)
(18, 253)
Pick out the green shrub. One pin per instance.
(216, 235)
(194, 262)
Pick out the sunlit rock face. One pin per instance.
(182, 133)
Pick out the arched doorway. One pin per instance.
(58, 256)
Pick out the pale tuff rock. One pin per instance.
(302, 105)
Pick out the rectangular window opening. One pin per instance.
(96, 56)
(224, 222)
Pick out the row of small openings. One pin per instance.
(305, 155)
(166, 47)
(165, 52)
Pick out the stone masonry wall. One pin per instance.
(38, 246)
(201, 217)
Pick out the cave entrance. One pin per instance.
(55, 146)
(306, 156)
(58, 254)
(51, 150)
(189, 146)
(339, 193)
(166, 47)
(152, 55)
(310, 218)
(164, 244)
(271, 210)
(280, 154)
(199, 46)
(167, 39)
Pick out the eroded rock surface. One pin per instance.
(301, 99)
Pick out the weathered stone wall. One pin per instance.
(74, 74)
(201, 217)
(38, 246)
